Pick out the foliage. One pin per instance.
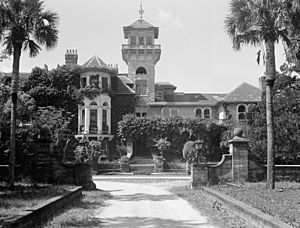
(86, 151)
(56, 120)
(286, 124)
(175, 131)
(162, 145)
(89, 91)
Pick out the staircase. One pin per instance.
(142, 165)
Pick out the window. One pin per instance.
(241, 112)
(149, 40)
(105, 84)
(141, 40)
(105, 104)
(94, 81)
(251, 111)
(83, 82)
(198, 113)
(93, 121)
(174, 112)
(206, 113)
(133, 40)
(141, 87)
(82, 120)
(104, 121)
(138, 114)
(144, 114)
(141, 70)
(165, 113)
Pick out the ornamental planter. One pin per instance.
(199, 175)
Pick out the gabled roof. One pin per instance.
(125, 79)
(164, 85)
(244, 93)
(95, 62)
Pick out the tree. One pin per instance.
(25, 25)
(260, 22)
(287, 124)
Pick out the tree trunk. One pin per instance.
(270, 77)
(14, 96)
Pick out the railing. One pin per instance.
(133, 46)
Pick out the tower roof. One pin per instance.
(95, 62)
(140, 24)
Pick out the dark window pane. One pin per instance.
(105, 84)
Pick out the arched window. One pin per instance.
(206, 113)
(105, 104)
(165, 113)
(198, 113)
(93, 103)
(174, 112)
(242, 112)
(141, 70)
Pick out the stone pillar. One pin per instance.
(87, 120)
(99, 119)
(79, 118)
(238, 147)
(199, 175)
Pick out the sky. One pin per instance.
(196, 55)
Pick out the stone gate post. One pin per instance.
(238, 148)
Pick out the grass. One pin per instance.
(82, 213)
(217, 213)
(25, 196)
(283, 202)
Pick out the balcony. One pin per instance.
(136, 46)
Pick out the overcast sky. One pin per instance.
(197, 54)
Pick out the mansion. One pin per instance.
(158, 99)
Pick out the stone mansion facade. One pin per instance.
(152, 98)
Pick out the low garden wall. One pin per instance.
(34, 216)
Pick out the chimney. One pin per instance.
(71, 58)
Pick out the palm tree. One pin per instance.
(260, 22)
(24, 25)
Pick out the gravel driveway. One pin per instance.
(143, 205)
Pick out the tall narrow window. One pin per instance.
(206, 113)
(165, 113)
(105, 84)
(198, 113)
(93, 121)
(174, 112)
(141, 87)
(104, 121)
(82, 126)
(83, 82)
(141, 70)
(241, 113)
(94, 80)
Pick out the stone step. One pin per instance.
(141, 161)
(142, 167)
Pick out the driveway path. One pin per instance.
(141, 205)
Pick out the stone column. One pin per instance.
(109, 120)
(79, 118)
(99, 119)
(238, 147)
(87, 120)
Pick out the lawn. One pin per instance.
(82, 213)
(283, 202)
(25, 196)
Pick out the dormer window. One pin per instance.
(94, 81)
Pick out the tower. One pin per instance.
(141, 55)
